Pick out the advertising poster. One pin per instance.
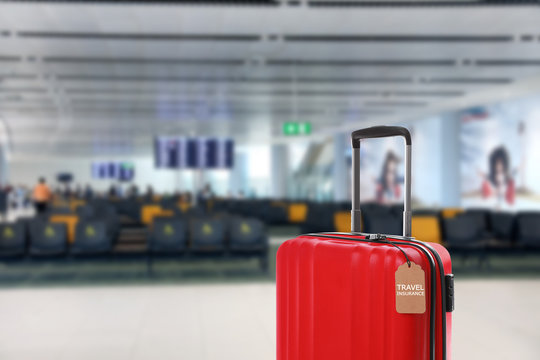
(382, 170)
(497, 169)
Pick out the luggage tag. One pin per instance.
(410, 289)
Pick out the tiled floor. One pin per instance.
(495, 319)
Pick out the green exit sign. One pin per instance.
(296, 128)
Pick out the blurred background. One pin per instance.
(155, 154)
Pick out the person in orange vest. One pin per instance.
(41, 196)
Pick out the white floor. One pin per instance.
(494, 319)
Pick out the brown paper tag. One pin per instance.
(410, 289)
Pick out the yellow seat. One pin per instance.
(448, 213)
(426, 228)
(71, 224)
(149, 212)
(342, 221)
(184, 206)
(58, 202)
(209, 205)
(75, 203)
(297, 212)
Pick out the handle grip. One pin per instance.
(379, 132)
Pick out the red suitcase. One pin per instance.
(340, 295)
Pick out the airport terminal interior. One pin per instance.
(154, 155)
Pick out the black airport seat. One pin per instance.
(381, 222)
(207, 234)
(130, 208)
(247, 234)
(375, 208)
(502, 227)
(528, 230)
(168, 235)
(342, 206)
(26, 222)
(47, 239)
(396, 210)
(91, 238)
(108, 214)
(464, 231)
(220, 206)
(481, 217)
(12, 239)
(319, 218)
(59, 210)
(194, 211)
(276, 213)
(426, 212)
(86, 212)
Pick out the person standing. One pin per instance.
(3, 202)
(88, 192)
(41, 196)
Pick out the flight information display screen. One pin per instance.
(193, 153)
(126, 171)
(121, 171)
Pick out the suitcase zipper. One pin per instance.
(429, 254)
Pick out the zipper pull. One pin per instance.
(376, 237)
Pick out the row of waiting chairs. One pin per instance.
(174, 234)
(42, 238)
(167, 235)
(455, 228)
(271, 212)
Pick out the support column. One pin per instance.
(3, 166)
(280, 171)
(451, 177)
(341, 175)
(238, 177)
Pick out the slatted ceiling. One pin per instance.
(10, 58)
(357, 62)
(16, 89)
(433, 93)
(330, 93)
(467, 80)
(366, 111)
(212, 69)
(384, 104)
(255, 3)
(337, 93)
(29, 108)
(18, 76)
(141, 61)
(177, 79)
(137, 36)
(314, 3)
(508, 62)
(398, 38)
(302, 93)
(17, 99)
(138, 102)
(419, 3)
(352, 79)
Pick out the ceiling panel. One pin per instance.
(100, 78)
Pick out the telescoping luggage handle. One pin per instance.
(379, 132)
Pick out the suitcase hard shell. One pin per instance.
(336, 292)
